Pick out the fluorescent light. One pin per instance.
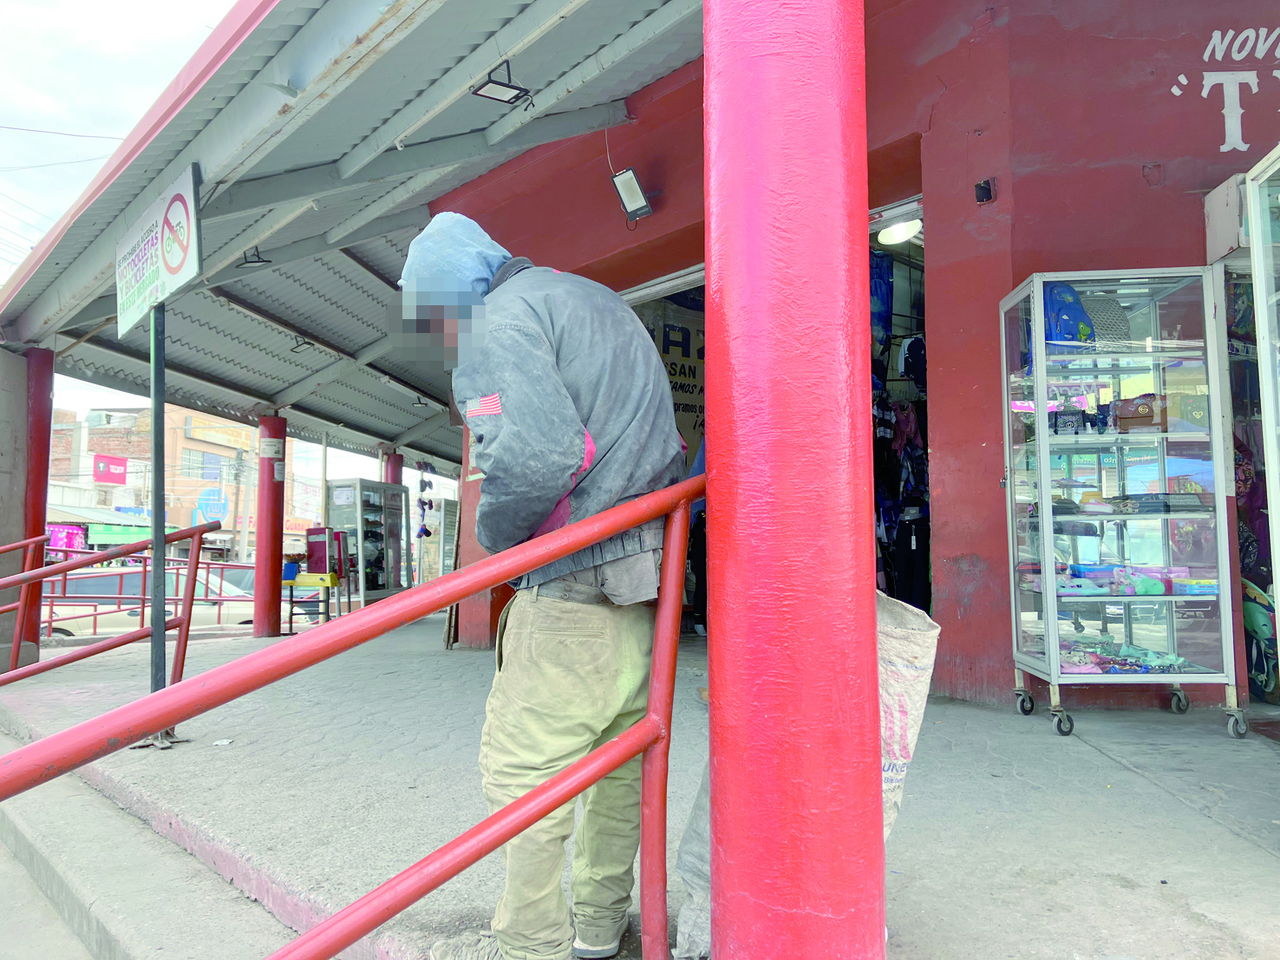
(632, 195)
(900, 232)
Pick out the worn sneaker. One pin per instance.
(470, 946)
(584, 951)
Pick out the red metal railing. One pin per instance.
(30, 579)
(60, 753)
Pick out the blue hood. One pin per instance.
(452, 255)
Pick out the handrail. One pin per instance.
(32, 579)
(57, 569)
(20, 544)
(62, 752)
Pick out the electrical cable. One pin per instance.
(28, 206)
(59, 133)
(60, 163)
(25, 223)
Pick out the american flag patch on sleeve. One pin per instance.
(484, 407)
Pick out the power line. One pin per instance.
(60, 163)
(21, 204)
(25, 223)
(59, 133)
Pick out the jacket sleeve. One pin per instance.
(528, 440)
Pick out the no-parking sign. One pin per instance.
(159, 253)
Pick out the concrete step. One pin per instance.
(103, 883)
(32, 928)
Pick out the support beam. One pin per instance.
(258, 233)
(286, 327)
(372, 271)
(36, 498)
(424, 429)
(414, 219)
(334, 48)
(268, 539)
(534, 22)
(643, 33)
(786, 144)
(324, 180)
(243, 403)
(386, 203)
(334, 371)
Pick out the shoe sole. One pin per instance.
(595, 953)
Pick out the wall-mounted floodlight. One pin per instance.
(632, 195)
(503, 91)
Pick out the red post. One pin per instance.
(268, 558)
(188, 602)
(39, 437)
(794, 690)
(393, 468)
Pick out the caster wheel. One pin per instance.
(1178, 702)
(1237, 727)
(1063, 724)
(1079, 627)
(1026, 704)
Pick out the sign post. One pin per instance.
(156, 258)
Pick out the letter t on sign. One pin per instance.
(1231, 109)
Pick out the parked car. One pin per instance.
(307, 598)
(117, 593)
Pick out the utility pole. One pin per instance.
(239, 478)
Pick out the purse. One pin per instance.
(1146, 412)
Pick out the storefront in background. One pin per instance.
(1040, 139)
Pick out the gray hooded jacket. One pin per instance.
(570, 412)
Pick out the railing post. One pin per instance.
(188, 599)
(653, 789)
(24, 601)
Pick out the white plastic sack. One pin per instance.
(907, 644)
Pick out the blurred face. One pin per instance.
(438, 322)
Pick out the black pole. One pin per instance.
(158, 614)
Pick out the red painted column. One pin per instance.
(393, 468)
(39, 437)
(797, 848)
(269, 537)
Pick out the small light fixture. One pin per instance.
(256, 260)
(632, 195)
(900, 232)
(503, 91)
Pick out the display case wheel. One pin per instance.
(1178, 702)
(1237, 726)
(1026, 703)
(1063, 724)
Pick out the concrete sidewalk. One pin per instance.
(1146, 835)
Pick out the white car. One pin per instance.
(115, 594)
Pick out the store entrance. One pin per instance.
(899, 406)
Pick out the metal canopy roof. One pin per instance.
(323, 129)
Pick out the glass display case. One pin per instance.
(1115, 483)
(373, 517)
(1262, 188)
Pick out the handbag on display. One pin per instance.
(1146, 412)
(1193, 409)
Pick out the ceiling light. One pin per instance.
(900, 232)
(632, 195)
(503, 91)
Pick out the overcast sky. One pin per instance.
(85, 67)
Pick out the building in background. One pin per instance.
(101, 465)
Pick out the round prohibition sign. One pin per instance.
(175, 234)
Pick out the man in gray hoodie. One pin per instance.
(570, 413)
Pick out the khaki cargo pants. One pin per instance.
(570, 677)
